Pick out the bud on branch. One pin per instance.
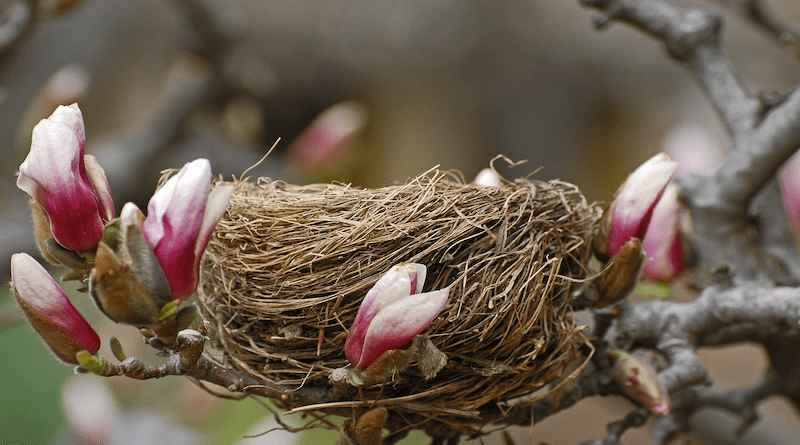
(392, 314)
(49, 310)
(70, 187)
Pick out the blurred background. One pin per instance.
(368, 92)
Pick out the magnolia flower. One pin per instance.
(181, 216)
(70, 187)
(327, 136)
(630, 212)
(662, 241)
(49, 310)
(392, 314)
(694, 148)
(640, 382)
(790, 188)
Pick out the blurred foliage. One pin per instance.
(31, 385)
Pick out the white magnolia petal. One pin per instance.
(217, 203)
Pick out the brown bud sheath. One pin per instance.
(127, 283)
(622, 274)
(366, 429)
(600, 241)
(41, 227)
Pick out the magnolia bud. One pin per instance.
(392, 314)
(488, 178)
(366, 429)
(327, 136)
(49, 310)
(55, 174)
(662, 241)
(629, 213)
(181, 217)
(640, 382)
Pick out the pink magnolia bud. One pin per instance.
(181, 217)
(630, 212)
(76, 202)
(640, 382)
(392, 314)
(694, 148)
(662, 241)
(49, 310)
(790, 188)
(328, 134)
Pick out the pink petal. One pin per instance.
(417, 273)
(662, 241)
(33, 284)
(325, 137)
(392, 286)
(99, 181)
(694, 149)
(55, 176)
(174, 218)
(400, 322)
(634, 203)
(217, 203)
(790, 188)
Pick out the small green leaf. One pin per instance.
(169, 309)
(90, 362)
(653, 289)
(116, 349)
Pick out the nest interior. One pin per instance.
(288, 267)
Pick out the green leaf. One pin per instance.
(116, 349)
(90, 362)
(169, 309)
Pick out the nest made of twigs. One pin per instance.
(288, 267)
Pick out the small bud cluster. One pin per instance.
(138, 269)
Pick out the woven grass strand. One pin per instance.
(288, 267)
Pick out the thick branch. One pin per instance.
(767, 21)
(16, 21)
(691, 36)
(764, 137)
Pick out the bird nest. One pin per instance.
(289, 265)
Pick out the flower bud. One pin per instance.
(629, 213)
(392, 314)
(49, 310)
(327, 136)
(488, 178)
(640, 382)
(127, 282)
(622, 274)
(181, 217)
(790, 189)
(662, 241)
(76, 203)
(366, 429)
